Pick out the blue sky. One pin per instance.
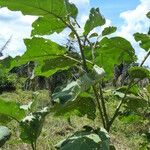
(111, 9)
(127, 15)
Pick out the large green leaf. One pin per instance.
(76, 107)
(40, 48)
(11, 109)
(46, 26)
(139, 72)
(4, 135)
(108, 30)
(88, 139)
(48, 56)
(73, 89)
(31, 126)
(54, 13)
(144, 40)
(95, 20)
(48, 67)
(44, 52)
(114, 51)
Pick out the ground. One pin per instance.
(123, 136)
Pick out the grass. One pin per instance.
(124, 136)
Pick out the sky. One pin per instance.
(127, 15)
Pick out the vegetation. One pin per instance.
(85, 94)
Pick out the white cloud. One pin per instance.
(80, 3)
(136, 21)
(17, 25)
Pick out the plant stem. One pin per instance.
(93, 48)
(103, 106)
(145, 58)
(80, 47)
(99, 106)
(119, 106)
(33, 146)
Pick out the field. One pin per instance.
(125, 136)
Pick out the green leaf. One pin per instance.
(4, 135)
(108, 30)
(134, 103)
(73, 89)
(76, 107)
(143, 39)
(148, 88)
(112, 51)
(92, 78)
(38, 50)
(53, 14)
(93, 35)
(4, 119)
(48, 67)
(139, 72)
(69, 93)
(47, 26)
(86, 140)
(95, 20)
(49, 57)
(148, 14)
(31, 126)
(133, 90)
(130, 119)
(11, 109)
(5, 65)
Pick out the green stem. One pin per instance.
(104, 107)
(99, 98)
(33, 146)
(99, 106)
(80, 47)
(93, 48)
(119, 106)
